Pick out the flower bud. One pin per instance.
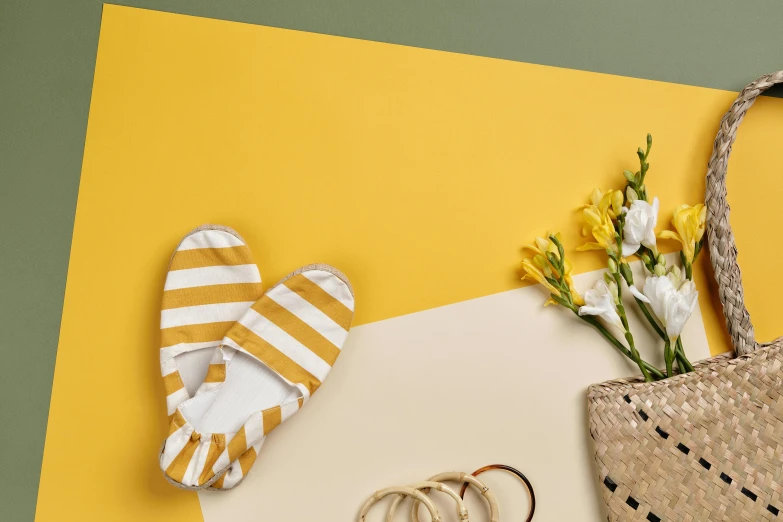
(627, 274)
(659, 270)
(596, 196)
(676, 272)
(631, 194)
(661, 260)
(646, 259)
(592, 217)
(617, 202)
(614, 291)
(540, 261)
(649, 140)
(628, 175)
(612, 266)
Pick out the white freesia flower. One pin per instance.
(680, 308)
(639, 228)
(656, 291)
(672, 300)
(600, 301)
(637, 294)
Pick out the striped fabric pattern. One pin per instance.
(297, 329)
(211, 282)
(239, 468)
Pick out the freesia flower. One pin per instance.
(639, 227)
(680, 308)
(578, 301)
(543, 245)
(599, 218)
(601, 300)
(538, 268)
(536, 273)
(689, 223)
(610, 201)
(672, 298)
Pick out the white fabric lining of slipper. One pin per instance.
(193, 366)
(249, 387)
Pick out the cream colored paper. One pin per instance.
(499, 379)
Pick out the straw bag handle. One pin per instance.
(723, 250)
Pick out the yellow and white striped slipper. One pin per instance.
(212, 281)
(279, 352)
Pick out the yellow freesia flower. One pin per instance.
(690, 224)
(599, 218)
(542, 246)
(539, 268)
(536, 273)
(609, 202)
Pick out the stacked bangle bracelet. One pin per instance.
(417, 492)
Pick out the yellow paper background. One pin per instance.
(419, 173)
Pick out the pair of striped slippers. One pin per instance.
(236, 362)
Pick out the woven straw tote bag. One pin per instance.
(706, 445)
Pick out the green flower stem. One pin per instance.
(618, 278)
(668, 356)
(636, 356)
(628, 336)
(682, 360)
(651, 319)
(652, 370)
(698, 249)
(655, 372)
(688, 266)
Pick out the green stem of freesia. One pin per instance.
(651, 319)
(682, 360)
(628, 335)
(637, 356)
(668, 356)
(652, 370)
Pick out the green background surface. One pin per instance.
(47, 58)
